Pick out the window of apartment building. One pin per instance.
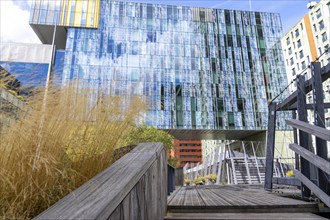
(299, 43)
(312, 15)
(294, 45)
(297, 32)
(293, 72)
(314, 27)
(296, 56)
(301, 26)
(303, 65)
(308, 60)
(326, 47)
(318, 13)
(298, 67)
(291, 34)
(301, 54)
(320, 50)
(324, 37)
(291, 61)
(289, 51)
(327, 122)
(287, 62)
(288, 41)
(321, 25)
(309, 98)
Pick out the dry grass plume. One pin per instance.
(51, 150)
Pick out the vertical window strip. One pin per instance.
(89, 13)
(32, 12)
(67, 13)
(78, 13)
(96, 13)
(64, 11)
(84, 13)
(92, 13)
(72, 13)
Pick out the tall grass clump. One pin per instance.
(58, 144)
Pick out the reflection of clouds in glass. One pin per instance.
(23, 4)
(190, 71)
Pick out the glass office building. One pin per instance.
(198, 68)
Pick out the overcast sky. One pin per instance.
(14, 14)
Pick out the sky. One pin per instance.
(14, 14)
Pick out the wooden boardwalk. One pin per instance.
(231, 201)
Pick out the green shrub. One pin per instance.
(212, 177)
(289, 173)
(144, 133)
(12, 92)
(199, 179)
(20, 98)
(173, 161)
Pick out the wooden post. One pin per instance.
(303, 136)
(295, 138)
(270, 146)
(319, 120)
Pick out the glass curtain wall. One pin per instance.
(73, 13)
(198, 68)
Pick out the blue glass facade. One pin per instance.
(28, 74)
(198, 68)
(35, 74)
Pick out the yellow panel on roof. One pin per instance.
(71, 13)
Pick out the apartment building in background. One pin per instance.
(305, 42)
(188, 151)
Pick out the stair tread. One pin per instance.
(302, 216)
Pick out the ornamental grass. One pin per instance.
(57, 143)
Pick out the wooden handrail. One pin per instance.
(132, 187)
(314, 188)
(311, 129)
(311, 157)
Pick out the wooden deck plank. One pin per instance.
(179, 197)
(260, 197)
(213, 199)
(192, 198)
(234, 198)
(173, 194)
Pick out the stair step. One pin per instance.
(244, 216)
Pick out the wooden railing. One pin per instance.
(312, 169)
(134, 187)
(170, 179)
(309, 156)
